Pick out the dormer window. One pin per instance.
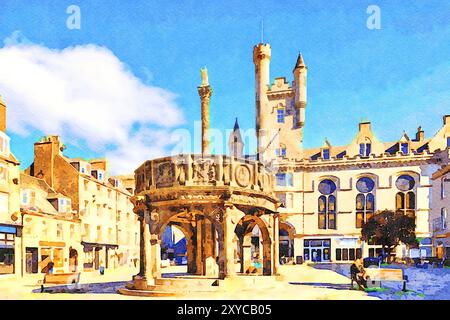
(326, 154)
(98, 174)
(64, 205)
(27, 197)
(280, 115)
(4, 143)
(404, 147)
(365, 149)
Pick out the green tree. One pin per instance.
(389, 229)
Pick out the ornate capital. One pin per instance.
(205, 92)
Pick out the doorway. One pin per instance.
(31, 260)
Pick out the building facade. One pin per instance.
(439, 220)
(109, 229)
(327, 193)
(10, 224)
(51, 232)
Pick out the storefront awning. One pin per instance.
(91, 245)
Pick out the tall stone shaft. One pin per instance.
(205, 92)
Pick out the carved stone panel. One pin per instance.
(203, 171)
(164, 174)
(243, 176)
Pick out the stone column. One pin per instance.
(191, 254)
(276, 243)
(267, 257)
(155, 250)
(229, 226)
(145, 276)
(205, 92)
(210, 265)
(199, 260)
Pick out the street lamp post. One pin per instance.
(14, 218)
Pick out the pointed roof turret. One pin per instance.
(236, 125)
(300, 62)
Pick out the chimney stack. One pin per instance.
(420, 135)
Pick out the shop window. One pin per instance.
(351, 254)
(344, 254)
(7, 253)
(338, 254)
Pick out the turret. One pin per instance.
(235, 142)
(261, 59)
(300, 88)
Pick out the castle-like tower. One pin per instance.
(280, 108)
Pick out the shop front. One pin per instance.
(97, 255)
(317, 250)
(7, 249)
(51, 252)
(347, 249)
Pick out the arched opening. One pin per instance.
(192, 241)
(254, 246)
(286, 240)
(73, 260)
(173, 246)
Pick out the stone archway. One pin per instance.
(243, 230)
(286, 241)
(204, 236)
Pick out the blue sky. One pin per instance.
(398, 76)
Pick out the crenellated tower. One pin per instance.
(280, 108)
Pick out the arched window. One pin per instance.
(327, 205)
(405, 200)
(365, 200)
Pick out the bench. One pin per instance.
(388, 275)
(60, 278)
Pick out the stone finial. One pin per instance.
(204, 73)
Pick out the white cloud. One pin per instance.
(89, 97)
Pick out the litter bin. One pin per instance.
(102, 270)
(299, 260)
